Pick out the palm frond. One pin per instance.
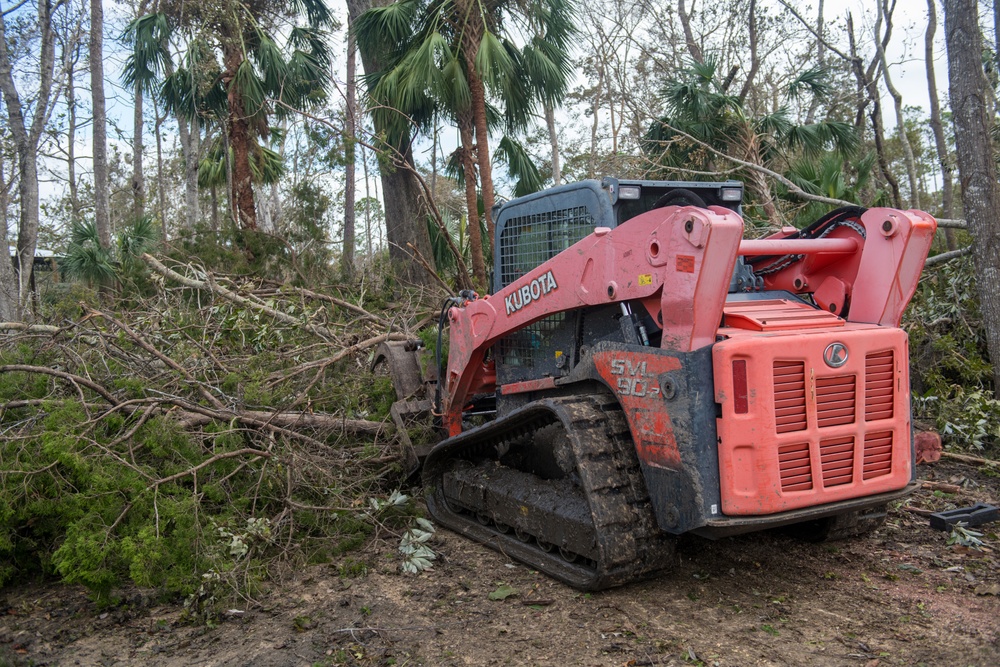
(389, 27)
(140, 236)
(520, 166)
(316, 12)
(148, 36)
(250, 88)
(493, 63)
(85, 258)
(814, 81)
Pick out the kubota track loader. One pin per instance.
(641, 372)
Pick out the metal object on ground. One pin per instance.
(976, 515)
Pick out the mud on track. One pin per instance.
(899, 597)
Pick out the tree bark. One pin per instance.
(239, 140)
(102, 213)
(550, 123)
(138, 180)
(477, 90)
(685, 17)
(190, 139)
(868, 92)
(350, 130)
(944, 160)
(74, 197)
(471, 200)
(976, 166)
(405, 215)
(26, 141)
(897, 99)
(161, 197)
(754, 58)
(8, 279)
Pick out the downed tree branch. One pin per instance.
(965, 458)
(69, 377)
(215, 288)
(292, 419)
(340, 303)
(141, 342)
(29, 328)
(258, 453)
(230, 415)
(940, 486)
(427, 267)
(918, 511)
(346, 352)
(945, 256)
(950, 223)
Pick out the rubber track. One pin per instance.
(630, 546)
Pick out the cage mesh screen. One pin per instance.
(525, 242)
(530, 240)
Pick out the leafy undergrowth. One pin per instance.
(194, 444)
(951, 373)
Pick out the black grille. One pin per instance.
(525, 243)
(530, 240)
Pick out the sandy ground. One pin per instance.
(900, 596)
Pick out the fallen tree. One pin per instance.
(218, 427)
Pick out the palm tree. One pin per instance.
(698, 105)
(454, 58)
(254, 78)
(828, 177)
(88, 260)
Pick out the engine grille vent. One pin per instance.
(795, 468)
(837, 458)
(835, 400)
(789, 396)
(879, 383)
(878, 455)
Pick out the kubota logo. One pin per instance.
(533, 291)
(835, 355)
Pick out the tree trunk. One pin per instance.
(685, 17)
(947, 192)
(477, 90)
(754, 58)
(405, 216)
(820, 60)
(26, 143)
(102, 214)
(161, 197)
(550, 123)
(471, 200)
(74, 197)
(868, 90)
(347, 260)
(8, 279)
(240, 141)
(192, 154)
(215, 209)
(976, 166)
(897, 99)
(138, 181)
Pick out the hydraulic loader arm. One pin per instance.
(863, 265)
(676, 260)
